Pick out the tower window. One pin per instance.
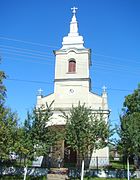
(72, 66)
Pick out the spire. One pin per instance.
(104, 89)
(73, 40)
(39, 98)
(40, 92)
(104, 98)
(73, 24)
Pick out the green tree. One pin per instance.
(132, 102)
(37, 136)
(8, 123)
(129, 130)
(129, 143)
(24, 144)
(8, 131)
(85, 131)
(44, 134)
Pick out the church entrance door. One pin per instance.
(70, 156)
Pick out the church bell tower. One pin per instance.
(72, 68)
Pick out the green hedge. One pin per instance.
(21, 178)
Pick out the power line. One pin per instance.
(52, 83)
(118, 66)
(28, 56)
(124, 70)
(40, 44)
(29, 60)
(27, 42)
(106, 68)
(32, 55)
(17, 52)
(39, 56)
(28, 81)
(20, 53)
(109, 67)
(117, 58)
(25, 49)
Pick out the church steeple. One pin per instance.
(73, 40)
(72, 65)
(73, 24)
(104, 98)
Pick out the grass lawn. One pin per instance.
(120, 165)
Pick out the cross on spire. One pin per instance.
(104, 88)
(74, 10)
(40, 92)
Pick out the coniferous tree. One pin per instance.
(24, 144)
(85, 131)
(43, 134)
(37, 135)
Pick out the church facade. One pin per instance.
(72, 84)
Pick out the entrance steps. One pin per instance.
(57, 177)
(57, 174)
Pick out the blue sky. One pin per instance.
(31, 29)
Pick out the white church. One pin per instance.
(72, 84)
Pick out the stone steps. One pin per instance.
(57, 177)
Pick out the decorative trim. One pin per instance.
(72, 79)
(76, 50)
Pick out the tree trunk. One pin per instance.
(25, 172)
(82, 170)
(128, 173)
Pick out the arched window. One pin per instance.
(72, 66)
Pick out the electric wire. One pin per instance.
(43, 57)
(17, 52)
(97, 64)
(40, 55)
(29, 60)
(25, 50)
(40, 44)
(27, 42)
(52, 83)
(44, 54)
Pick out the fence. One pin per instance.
(71, 172)
(90, 163)
(101, 167)
(93, 162)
